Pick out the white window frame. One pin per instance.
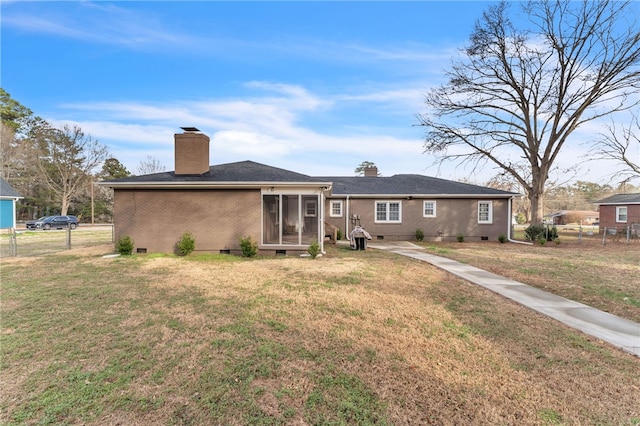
(310, 208)
(489, 219)
(424, 208)
(619, 210)
(387, 211)
(337, 203)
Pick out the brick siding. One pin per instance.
(156, 219)
(453, 217)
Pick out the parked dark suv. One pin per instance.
(57, 222)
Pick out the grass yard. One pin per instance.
(606, 277)
(350, 338)
(40, 242)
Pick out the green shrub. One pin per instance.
(314, 249)
(502, 238)
(186, 244)
(460, 238)
(248, 246)
(419, 234)
(535, 232)
(124, 246)
(521, 219)
(339, 234)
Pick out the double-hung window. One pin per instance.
(621, 214)
(335, 208)
(310, 208)
(485, 212)
(429, 209)
(388, 212)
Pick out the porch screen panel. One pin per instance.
(311, 217)
(271, 219)
(292, 224)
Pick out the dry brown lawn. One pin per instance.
(349, 338)
(606, 277)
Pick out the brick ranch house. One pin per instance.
(619, 211)
(284, 211)
(566, 217)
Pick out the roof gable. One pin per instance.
(7, 191)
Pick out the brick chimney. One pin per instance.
(191, 152)
(371, 171)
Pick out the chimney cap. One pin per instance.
(190, 129)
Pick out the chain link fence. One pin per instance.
(27, 243)
(626, 233)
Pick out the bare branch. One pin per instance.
(517, 94)
(621, 144)
(66, 158)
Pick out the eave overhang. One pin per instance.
(620, 203)
(213, 185)
(423, 196)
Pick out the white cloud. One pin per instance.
(249, 144)
(101, 23)
(270, 129)
(274, 124)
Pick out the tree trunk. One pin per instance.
(65, 206)
(536, 196)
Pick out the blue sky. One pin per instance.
(313, 87)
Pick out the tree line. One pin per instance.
(55, 169)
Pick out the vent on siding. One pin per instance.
(225, 251)
(484, 238)
(141, 250)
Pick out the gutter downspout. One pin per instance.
(321, 207)
(346, 218)
(509, 226)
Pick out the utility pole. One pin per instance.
(92, 208)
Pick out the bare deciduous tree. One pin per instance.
(150, 165)
(67, 157)
(622, 145)
(517, 94)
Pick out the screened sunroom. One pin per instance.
(291, 219)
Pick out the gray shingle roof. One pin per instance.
(620, 199)
(249, 171)
(242, 171)
(7, 190)
(408, 184)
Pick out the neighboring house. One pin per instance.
(566, 217)
(284, 211)
(8, 198)
(619, 211)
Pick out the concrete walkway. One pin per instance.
(619, 332)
